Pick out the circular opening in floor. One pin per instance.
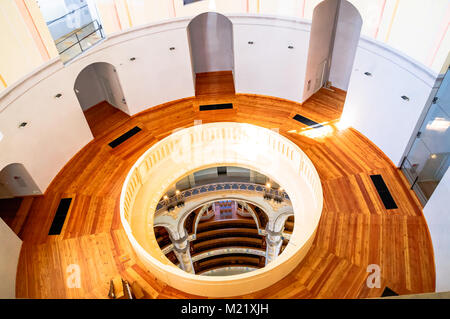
(219, 219)
(209, 146)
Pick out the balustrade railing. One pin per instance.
(170, 202)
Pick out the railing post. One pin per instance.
(78, 41)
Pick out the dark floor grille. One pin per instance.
(125, 137)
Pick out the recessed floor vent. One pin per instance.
(383, 191)
(125, 136)
(212, 107)
(60, 216)
(307, 121)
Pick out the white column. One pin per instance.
(274, 241)
(274, 238)
(181, 250)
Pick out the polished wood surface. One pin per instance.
(102, 118)
(355, 230)
(214, 83)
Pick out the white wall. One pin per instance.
(268, 66)
(346, 40)
(319, 46)
(16, 182)
(99, 82)
(106, 75)
(211, 41)
(374, 105)
(160, 75)
(9, 258)
(57, 128)
(88, 89)
(437, 214)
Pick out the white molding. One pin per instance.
(271, 20)
(28, 81)
(419, 70)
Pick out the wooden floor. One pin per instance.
(355, 230)
(103, 117)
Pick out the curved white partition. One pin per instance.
(48, 142)
(219, 144)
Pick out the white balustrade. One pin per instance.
(210, 145)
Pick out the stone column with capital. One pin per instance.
(274, 241)
(181, 250)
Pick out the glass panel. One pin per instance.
(429, 157)
(74, 25)
(90, 39)
(70, 52)
(67, 42)
(87, 29)
(79, 41)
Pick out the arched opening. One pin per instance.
(16, 188)
(335, 32)
(101, 98)
(15, 181)
(210, 38)
(219, 220)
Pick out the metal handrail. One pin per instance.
(79, 40)
(72, 33)
(63, 16)
(232, 186)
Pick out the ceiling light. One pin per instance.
(268, 185)
(404, 97)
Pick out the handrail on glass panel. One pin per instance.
(68, 13)
(79, 39)
(78, 30)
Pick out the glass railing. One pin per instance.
(79, 40)
(429, 156)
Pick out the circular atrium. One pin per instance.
(254, 149)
